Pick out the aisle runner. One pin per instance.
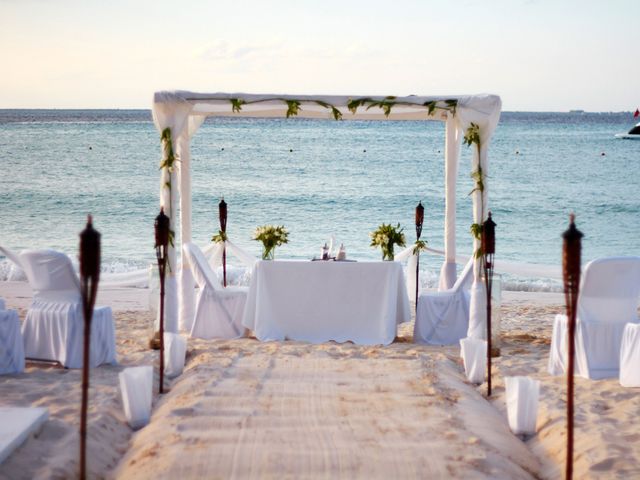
(253, 410)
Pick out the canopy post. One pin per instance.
(168, 201)
(478, 304)
(451, 160)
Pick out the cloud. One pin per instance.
(223, 50)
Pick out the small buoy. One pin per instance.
(291, 149)
(222, 149)
(517, 152)
(602, 154)
(364, 151)
(90, 147)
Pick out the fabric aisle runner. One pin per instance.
(270, 410)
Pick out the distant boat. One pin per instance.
(633, 134)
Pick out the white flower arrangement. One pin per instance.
(271, 236)
(385, 237)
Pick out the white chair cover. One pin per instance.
(608, 300)
(11, 348)
(54, 327)
(630, 356)
(442, 318)
(219, 310)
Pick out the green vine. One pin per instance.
(219, 237)
(337, 114)
(386, 105)
(419, 246)
(236, 104)
(168, 164)
(293, 107)
(472, 137)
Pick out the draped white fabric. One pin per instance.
(318, 302)
(175, 350)
(55, 331)
(522, 404)
(442, 318)
(136, 389)
(630, 356)
(608, 300)
(474, 358)
(184, 111)
(54, 326)
(11, 346)
(219, 311)
(452, 159)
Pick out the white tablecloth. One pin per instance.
(320, 301)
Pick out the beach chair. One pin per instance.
(442, 318)
(608, 300)
(54, 327)
(219, 310)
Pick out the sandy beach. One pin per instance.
(246, 409)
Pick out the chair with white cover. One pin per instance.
(442, 318)
(54, 326)
(219, 310)
(11, 345)
(608, 300)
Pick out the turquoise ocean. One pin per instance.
(318, 178)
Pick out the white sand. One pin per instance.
(288, 409)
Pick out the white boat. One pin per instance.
(633, 134)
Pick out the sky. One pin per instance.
(546, 55)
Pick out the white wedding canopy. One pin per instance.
(179, 114)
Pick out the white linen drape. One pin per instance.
(452, 159)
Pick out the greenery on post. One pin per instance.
(168, 164)
(472, 137)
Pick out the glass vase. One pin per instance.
(387, 253)
(268, 253)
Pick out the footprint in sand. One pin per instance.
(604, 465)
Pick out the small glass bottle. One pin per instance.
(325, 252)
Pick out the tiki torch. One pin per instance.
(488, 245)
(571, 251)
(161, 227)
(419, 222)
(89, 278)
(222, 213)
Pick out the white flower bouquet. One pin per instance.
(271, 236)
(385, 237)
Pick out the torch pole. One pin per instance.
(419, 222)
(488, 246)
(571, 259)
(162, 228)
(161, 271)
(89, 278)
(222, 215)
